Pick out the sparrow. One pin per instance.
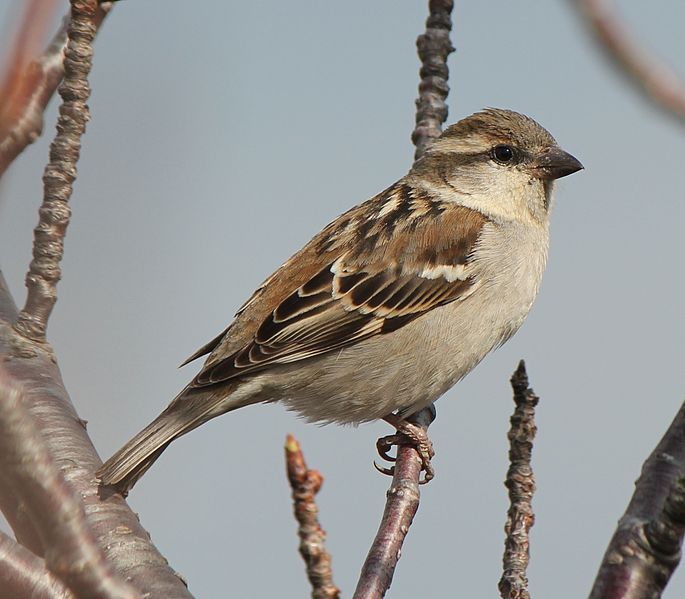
(393, 302)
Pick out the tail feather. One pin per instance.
(127, 465)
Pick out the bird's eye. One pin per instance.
(503, 154)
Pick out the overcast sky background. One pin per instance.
(223, 136)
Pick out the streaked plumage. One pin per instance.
(394, 301)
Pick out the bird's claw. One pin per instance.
(407, 434)
(387, 471)
(385, 444)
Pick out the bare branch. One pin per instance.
(434, 46)
(23, 574)
(645, 548)
(400, 507)
(71, 551)
(32, 367)
(31, 87)
(48, 244)
(653, 78)
(305, 485)
(521, 485)
(126, 544)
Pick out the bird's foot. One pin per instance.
(410, 434)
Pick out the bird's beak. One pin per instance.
(554, 163)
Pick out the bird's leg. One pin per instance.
(408, 433)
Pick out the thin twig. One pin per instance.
(31, 87)
(434, 46)
(521, 485)
(400, 507)
(658, 82)
(71, 551)
(60, 173)
(23, 574)
(305, 485)
(638, 562)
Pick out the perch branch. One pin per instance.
(305, 485)
(645, 548)
(31, 85)
(433, 46)
(521, 485)
(653, 78)
(400, 507)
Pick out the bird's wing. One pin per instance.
(391, 263)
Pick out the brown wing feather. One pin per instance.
(344, 289)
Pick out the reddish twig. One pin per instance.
(60, 173)
(521, 485)
(400, 507)
(645, 548)
(402, 502)
(652, 77)
(71, 550)
(23, 574)
(305, 485)
(434, 46)
(29, 86)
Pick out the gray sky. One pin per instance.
(223, 136)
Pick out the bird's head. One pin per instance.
(500, 162)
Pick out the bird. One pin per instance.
(393, 302)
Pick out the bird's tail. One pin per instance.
(127, 465)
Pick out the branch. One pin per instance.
(402, 502)
(31, 86)
(31, 366)
(60, 173)
(23, 574)
(71, 551)
(434, 47)
(521, 485)
(400, 507)
(645, 548)
(653, 78)
(305, 485)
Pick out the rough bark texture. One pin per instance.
(60, 173)
(434, 46)
(645, 548)
(521, 485)
(305, 484)
(31, 88)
